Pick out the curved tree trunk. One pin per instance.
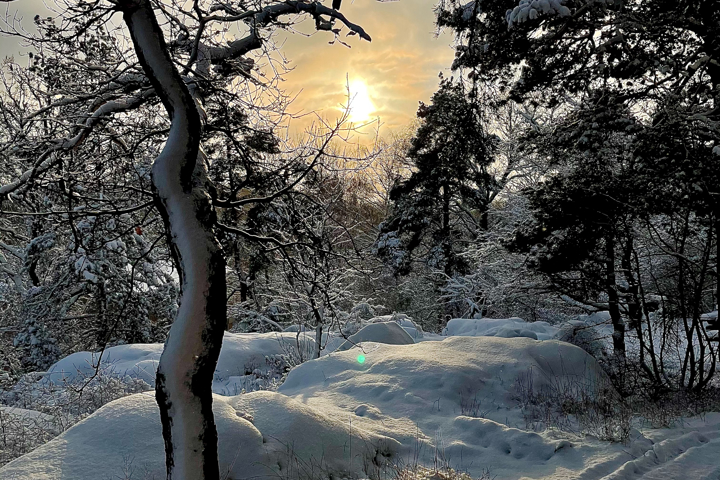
(184, 377)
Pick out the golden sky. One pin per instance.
(390, 75)
(399, 67)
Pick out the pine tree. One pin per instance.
(445, 199)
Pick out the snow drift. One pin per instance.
(384, 332)
(245, 359)
(339, 417)
(454, 401)
(499, 327)
(261, 435)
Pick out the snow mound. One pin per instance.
(136, 360)
(688, 454)
(404, 321)
(499, 327)
(388, 333)
(593, 333)
(28, 415)
(294, 431)
(261, 435)
(463, 387)
(242, 360)
(453, 401)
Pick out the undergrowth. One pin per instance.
(584, 405)
(36, 410)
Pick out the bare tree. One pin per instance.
(178, 73)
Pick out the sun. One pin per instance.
(361, 107)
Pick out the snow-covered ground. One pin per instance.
(505, 327)
(245, 360)
(390, 401)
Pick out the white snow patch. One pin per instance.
(388, 332)
(413, 329)
(242, 360)
(334, 416)
(505, 328)
(262, 435)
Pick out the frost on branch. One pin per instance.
(469, 8)
(531, 9)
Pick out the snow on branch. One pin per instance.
(49, 158)
(531, 9)
(469, 9)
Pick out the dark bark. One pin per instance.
(613, 300)
(32, 272)
(185, 372)
(445, 229)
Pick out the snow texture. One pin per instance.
(532, 9)
(336, 417)
(505, 328)
(386, 332)
(126, 437)
(30, 416)
(413, 329)
(242, 360)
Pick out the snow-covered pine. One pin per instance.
(532, 9)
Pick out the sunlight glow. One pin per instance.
(361, 107)
(361, 358)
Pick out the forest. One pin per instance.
(520, 282)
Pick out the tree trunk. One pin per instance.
(184, 377)
(716, 225)
(618, 336)
(447, 244)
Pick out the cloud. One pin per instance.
(400, 66)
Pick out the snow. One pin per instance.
(242, 360)
(531, 9)
(386, 332)
(505, 328)
(137, 360)
(33, 417)
(457, 398)
(125, 436)
(691, 455)
(404, 321)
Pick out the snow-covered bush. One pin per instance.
(36, 410)
(363, 311)
(583, 335)
(36, 345)
(243, 319)
(21, 431)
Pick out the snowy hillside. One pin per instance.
(469, 402)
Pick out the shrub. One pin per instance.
(579, 405)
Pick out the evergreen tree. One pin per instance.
(583, 212)
(602, 60)
(444, 201)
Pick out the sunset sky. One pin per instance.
(388, 76)
(399, 67)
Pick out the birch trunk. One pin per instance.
(184, 376)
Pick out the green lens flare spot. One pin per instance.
(361, 358)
